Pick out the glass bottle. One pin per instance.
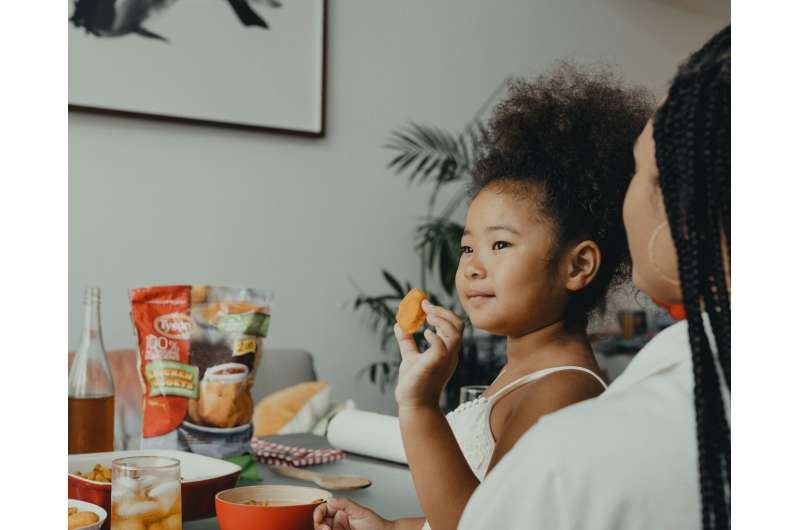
(91, 386)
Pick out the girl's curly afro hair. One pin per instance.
(565, 140)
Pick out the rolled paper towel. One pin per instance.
(368, 434)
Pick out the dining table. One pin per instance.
(391, 493)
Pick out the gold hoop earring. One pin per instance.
(651, 254)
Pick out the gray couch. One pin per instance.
(281, 369)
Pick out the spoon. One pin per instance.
(323, 480)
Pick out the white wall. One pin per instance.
(154, 203)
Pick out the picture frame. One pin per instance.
(244, 64)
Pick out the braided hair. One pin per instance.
(693, 153)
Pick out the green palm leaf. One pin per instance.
(439, 242)
(437, 153)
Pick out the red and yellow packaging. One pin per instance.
(164, 325)
(199, 350)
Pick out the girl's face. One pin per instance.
(504, 281)
(655, 261)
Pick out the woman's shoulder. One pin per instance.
(654, 413)
(634, 459)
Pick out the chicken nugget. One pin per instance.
(410, 315)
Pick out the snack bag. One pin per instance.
(199, 351)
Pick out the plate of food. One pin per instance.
(202, 477)
(85, 515)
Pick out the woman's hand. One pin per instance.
(423, 375)
(344, 514)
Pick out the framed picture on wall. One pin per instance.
(254, 64)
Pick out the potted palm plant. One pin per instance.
(433, 156)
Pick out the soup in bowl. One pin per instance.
(268, 507)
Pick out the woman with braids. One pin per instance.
(653, 451)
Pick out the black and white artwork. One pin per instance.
(251, 63)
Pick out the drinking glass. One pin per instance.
(470, 392)
(146, 493)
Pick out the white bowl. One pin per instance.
(89, 507)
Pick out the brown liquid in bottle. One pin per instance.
(91, 425)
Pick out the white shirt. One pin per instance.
(622, 461)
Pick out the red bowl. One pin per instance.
(202, 478)
(289, 507)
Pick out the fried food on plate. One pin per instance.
(100, 473)
(78, 519)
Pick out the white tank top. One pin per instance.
(471, 425)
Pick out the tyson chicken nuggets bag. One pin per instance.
(199, 351)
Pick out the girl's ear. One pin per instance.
(583, 262)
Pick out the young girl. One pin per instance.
(542, 243)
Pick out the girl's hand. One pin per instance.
(344, 514)
(423, 375)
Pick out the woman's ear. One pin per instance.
(582, 265)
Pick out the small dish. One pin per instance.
(218, 430)
(89, 507)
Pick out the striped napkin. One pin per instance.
(277, 454)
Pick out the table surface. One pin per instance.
(391, 494)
